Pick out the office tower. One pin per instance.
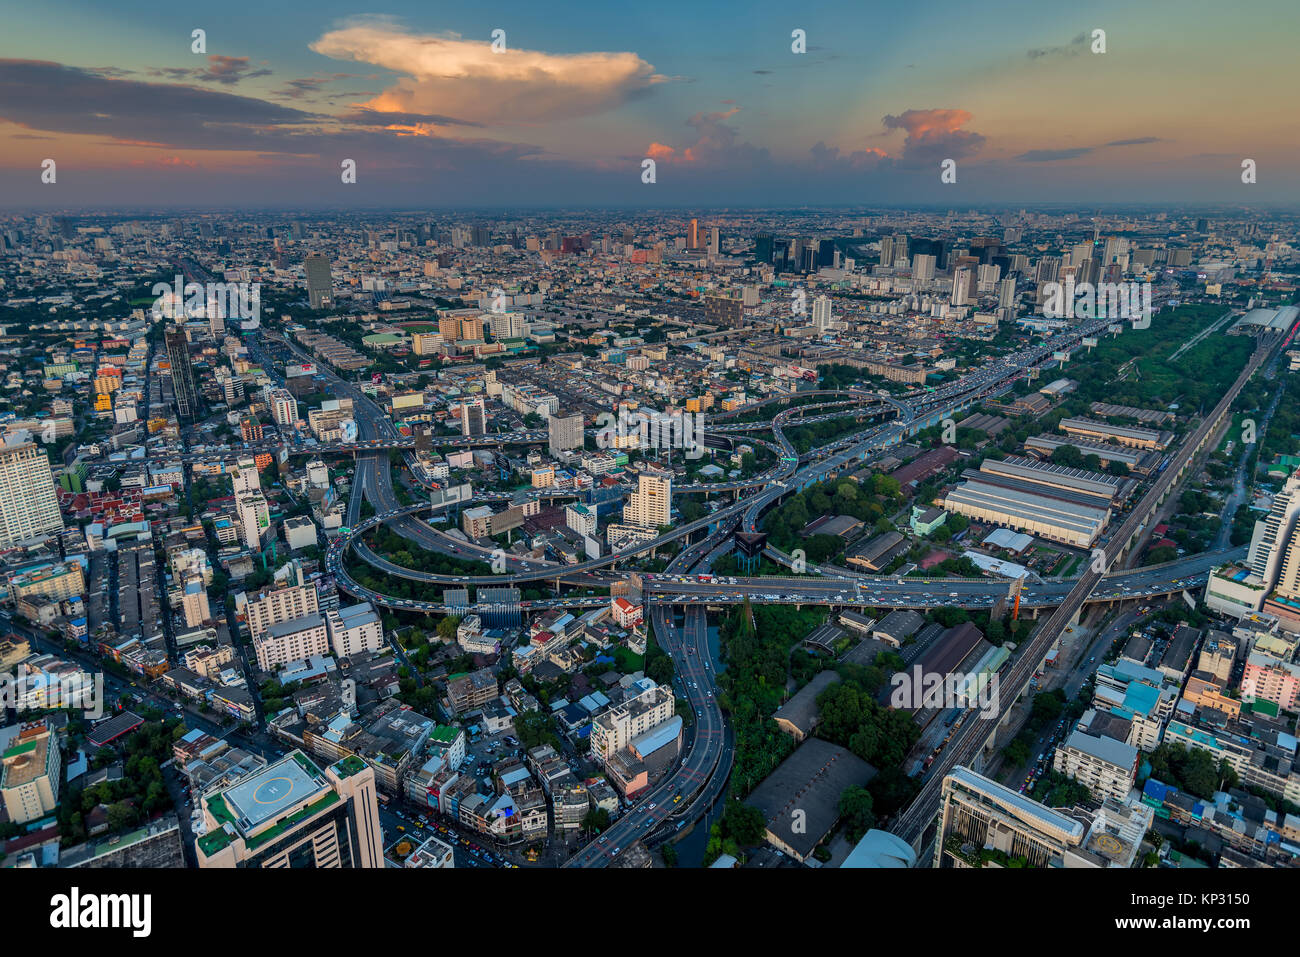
(320, 283)
(1049, 268)
(693, 235)
(564, 432)
(1202, 225)
(900, 247)
(293, 814)
(178, 357)
(1080, 252)
(715, 241)
(886, 250)
(254, 519)
(480, 236)
(985, 824)
(649, 505)
(473, 418)
(960, 286)
(763, 247)
(28, 504)
(821, 314)
(1007, 293)
(923, 267)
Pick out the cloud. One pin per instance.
(52, 97)
(365, 116)
(830, 159)
(1139, 141)
(1051, 156)
(716, 144)
(450, 76)
(934, 135)
(227, 70)
(1073, 48)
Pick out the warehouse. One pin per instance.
(1096, 485)
(1124, 435)
(1136, 460)
(1018, 506)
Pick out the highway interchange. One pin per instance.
(686, 584)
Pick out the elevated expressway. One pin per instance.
(975, 738)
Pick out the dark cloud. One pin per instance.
(1139, 141)
(1051, 156)
(364, 116)
(1073, 48)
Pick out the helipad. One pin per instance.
(274, 791)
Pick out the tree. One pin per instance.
(595, 821)
(857, 809)
(744, 823)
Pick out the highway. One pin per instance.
(966, 745)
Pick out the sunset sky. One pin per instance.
(584, 92)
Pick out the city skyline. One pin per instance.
(265, 115)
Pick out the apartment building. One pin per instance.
(282, 604)
(354, 629)
(1105, 766)
(30, 771)
(28, 504)
(614, 730)
(291, 640)
(650, 505)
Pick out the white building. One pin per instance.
(355, 629)
(28, 504)
(291, 641)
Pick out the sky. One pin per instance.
(576, 98)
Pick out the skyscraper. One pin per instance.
(320, 284)
(178, 356)
(923, 267)
(960, 286)
(693, 235)
(564, 432)
(28, 504)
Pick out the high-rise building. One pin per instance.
(254, 519)
(923, 267)
(245, 479)
(28, 504)
(473, 417)
(821, 314)
(564, 432)
(650, 504)
(280, 605)
(764, 246)
(693, 235)
(724, 310)
(960, 286)
(320, 283)
(715, 241)
(1007, 293)
(293, 814)
(284, 407)
(183, 387)
(1272, 536)
(886, 250)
